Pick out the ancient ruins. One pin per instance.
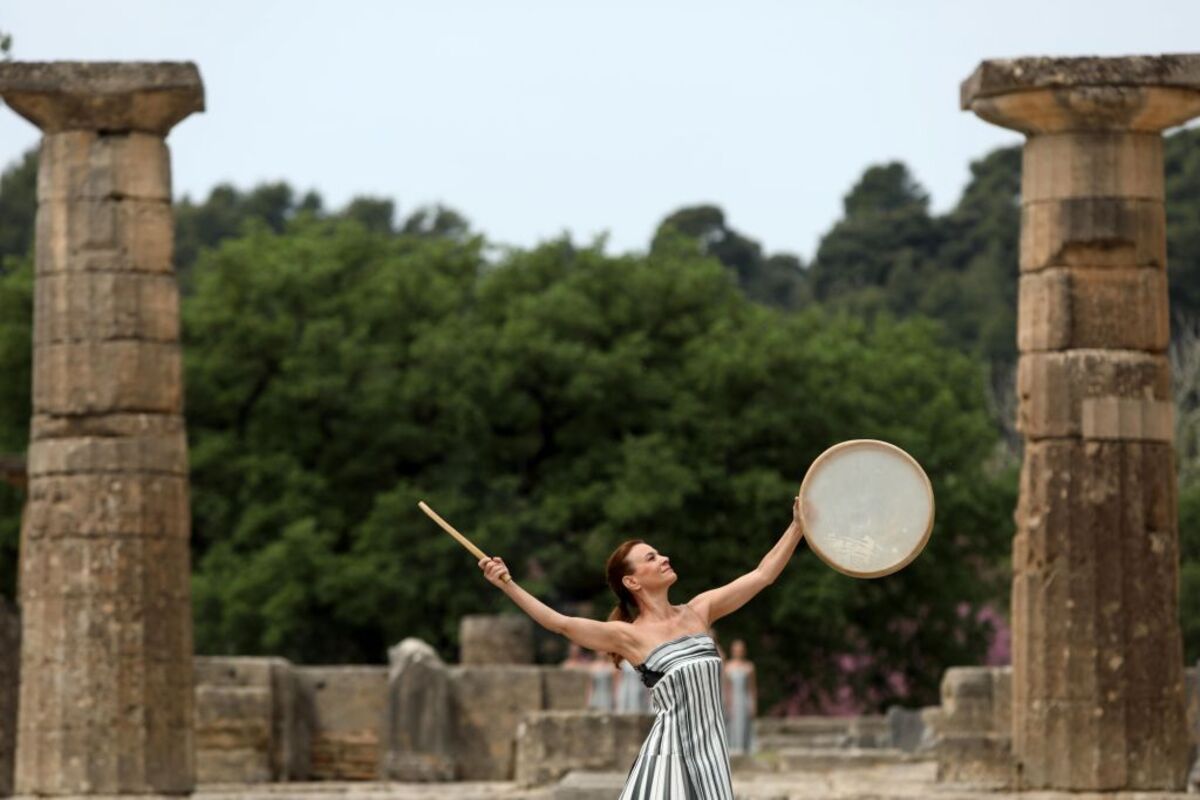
(112, 703)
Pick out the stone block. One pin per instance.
(102, 96)
(129, 673)
(116, 376)
(984, 760)
(1089, 164)
(349, 712)
(549, 744)
(564, 689)
(230, 765)
(780, 733)
(1061, 309)
(158, 454)
(103, 306)
(10, 676)
(1095, 566)
(1097, 656)
(104, 235)
(88, 761)
(1083, 743)
(107, 504)
(495, 639)
(250, 724)
(86, 164)
(867, 730)
(1094, 233)
(1002, 700)
(489, 703)
(234, 716)
(419, 744)
(108, 572)
(1053, 390)
(967, 701)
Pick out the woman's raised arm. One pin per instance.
(603, 637)
(724, 600)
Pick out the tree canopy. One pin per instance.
(553, 404)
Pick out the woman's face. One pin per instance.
(738, 649)
(650, 569)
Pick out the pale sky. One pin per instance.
(534, 117)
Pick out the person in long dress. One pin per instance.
(602, 688)
(600, 677)
(685, 756)
(632, 695)
(741, 699)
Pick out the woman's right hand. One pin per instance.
(494, 570)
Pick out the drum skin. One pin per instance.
(867, 507)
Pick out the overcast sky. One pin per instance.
(534, 118)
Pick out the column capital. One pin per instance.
(1050, 95)
(102, 96)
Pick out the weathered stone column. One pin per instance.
(1098, 695)
(106, 673)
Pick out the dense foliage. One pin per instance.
(553, 404)
(553, 401)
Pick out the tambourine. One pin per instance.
(867, 508)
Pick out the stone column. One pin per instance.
(106, 688)
(1098, 697)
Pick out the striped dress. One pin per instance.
(684, 757)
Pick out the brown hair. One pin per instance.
(615, 569)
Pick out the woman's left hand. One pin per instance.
(798, 514)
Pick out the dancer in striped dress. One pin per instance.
(685, 756)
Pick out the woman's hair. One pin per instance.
(615, 569)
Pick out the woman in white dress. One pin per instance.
(600, 693)
(632, 696)
(741, 699)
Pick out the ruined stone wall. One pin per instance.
(251, 723)
(549, 744)
(263, 719)
(349, 707)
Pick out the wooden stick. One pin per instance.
(464, 541)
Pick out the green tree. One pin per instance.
(552, 405)
(886, 221)
(18, 207)
(16, 331)
(777, 280)
(1182, 157)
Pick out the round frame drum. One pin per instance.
(871, 508)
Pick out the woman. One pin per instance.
(601, 690)
(685, 755)
(632, 697)
(741, 696)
